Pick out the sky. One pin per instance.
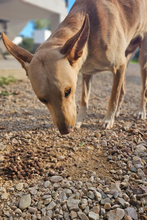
(28, 30)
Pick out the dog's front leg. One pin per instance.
(141, 113)
(118, 76)
(86, 87)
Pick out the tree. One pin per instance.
(28, 44)
(40, 24)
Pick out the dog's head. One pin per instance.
(53, 75)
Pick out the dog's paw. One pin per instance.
(81, 116)
(78, 124)
(117, 113)
(107, 123)
(141, 114)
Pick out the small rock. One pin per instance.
(73, 204)
(47, 201)
(47, 183)
(56, 179)
(140, 149)
(116, 214)
(98, 196)
(107, 200)
(25, 201)
(107, 206)
(131, 212)
(93, 216)
(45, 218)
(51, 206)
(1, 158)
(82, 216)
(127, 217)
(90, 194)
(4, 196)
(19, 186)
(32, 210)
(18, 211)
(121, 201)
(2, 146)
(96, 209)
(73, 214)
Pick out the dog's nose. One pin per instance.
(66, 130)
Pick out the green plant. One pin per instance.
(4, 93)
(7, 80)
(28, 44)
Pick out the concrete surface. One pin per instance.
(11, 67)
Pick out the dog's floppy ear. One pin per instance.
(22, 55)
(73, 48)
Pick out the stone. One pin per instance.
(1, 158)
(140, 173)
(95, 209)
(62, 196)
(32, 210)
(66, 216)
(121, 201)
(116, 214)
(18, 211)
(43, 211)
(131, 212)
(127, 217)
(73, 204)
(25, 201)
(93, 216)
(107, 206)
(2, 146)
(4, 196)
(47, 201)
(56, 179)
(73, 214)
(107, 200)
(19, 186)
(51, 206)
(90, 194)
(140, 149)
(98, 196)
(115, 186)
(82, 216)
(47, 183)
(45, 218)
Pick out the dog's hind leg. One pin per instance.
(123, 88)
(141, 113)
(86, 87)
(118, 77)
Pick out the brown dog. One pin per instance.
(97, 35)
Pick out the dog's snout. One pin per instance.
(66, 130)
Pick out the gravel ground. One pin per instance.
(89, 174)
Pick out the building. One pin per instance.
(15, 14)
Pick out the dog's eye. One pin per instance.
(67, 92)
(43, 100)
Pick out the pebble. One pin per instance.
(116, 214)
(2, 146)
(93, 216)
(107, 206)
(25, 201)
(73, 204)
(51, 206)
(131, 212)
(4, 196)
(82, 216)
(19, 186)
(46, 184)
(56, 179)
(32, 210)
